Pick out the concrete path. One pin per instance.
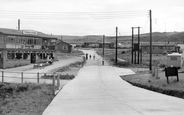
(98, 90)
(13, 75)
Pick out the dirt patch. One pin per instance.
(24, 99)
(147, 81)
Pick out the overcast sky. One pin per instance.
(92, 17)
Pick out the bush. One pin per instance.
(67, 76)
(123, 52)
(162, 66)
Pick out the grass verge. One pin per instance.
(24, 99)
(147, 81)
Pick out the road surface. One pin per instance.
(13, 75)
(98, 90)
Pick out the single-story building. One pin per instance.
(63, 47)
(106, 45)
(159, 47)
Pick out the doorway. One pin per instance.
(33, 57)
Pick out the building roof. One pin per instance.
(158, 44)
(27, 33)
(59, 42)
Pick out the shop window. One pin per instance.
(10, 55)
(25, 55)
(18, 55)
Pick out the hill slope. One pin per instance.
(157, 37)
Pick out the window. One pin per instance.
(25, 55)
(173, 58)
(10, 55)
(19, 55)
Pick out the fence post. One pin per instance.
(58, 82)
(54, 84)
(156, 75)
(38, 77)
(2, 76)
(21, 77)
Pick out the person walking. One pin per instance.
(86, 56)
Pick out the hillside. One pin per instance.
(157, 37)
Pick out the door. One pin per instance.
(33, 57)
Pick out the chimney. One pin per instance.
(18, 24)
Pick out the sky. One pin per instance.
(92, 17)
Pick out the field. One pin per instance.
(125, 54)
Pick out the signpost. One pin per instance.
(171, 71)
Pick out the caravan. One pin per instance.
(175, 60)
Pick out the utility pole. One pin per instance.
(150, 64)
(18, 24)
(103, 49)
(132, 44)
(136, 47)
(116, 58)
(103, 44)
(138, 43)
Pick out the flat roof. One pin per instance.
(26, 33)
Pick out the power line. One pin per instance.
(72, 15)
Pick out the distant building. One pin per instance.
(63, 47)
(90, 44)
(23, 47)
(159, 47)
(107, 45)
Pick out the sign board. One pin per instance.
(30, 32)
(171, 71)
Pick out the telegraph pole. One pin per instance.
(103, 44)
(136, 47)
(138, 43)
(132, 44)
(103, 49)
(116, 58)
(150, 64)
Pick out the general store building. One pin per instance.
(23, 47)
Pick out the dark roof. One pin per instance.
(63, 42)
(20, 33)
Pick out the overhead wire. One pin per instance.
(72, 15)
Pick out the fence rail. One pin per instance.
(9, 76)
(22, 77)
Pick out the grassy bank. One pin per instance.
(24, 99)
(160, 85)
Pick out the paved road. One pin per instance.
(13, 75)
(98, 90)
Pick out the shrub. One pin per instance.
(66, 76)
(123, 52)
(162, 66)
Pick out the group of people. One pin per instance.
(90, 57)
